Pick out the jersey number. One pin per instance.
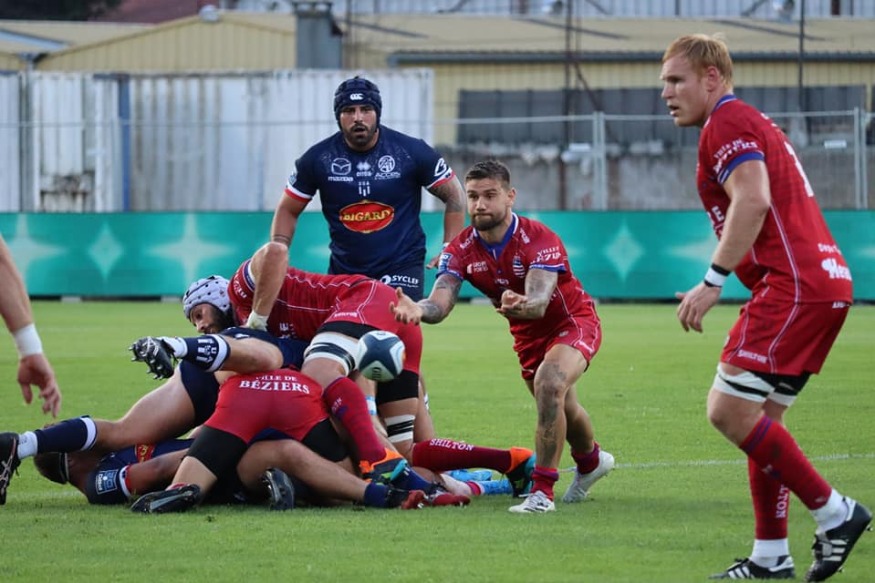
(808, 190)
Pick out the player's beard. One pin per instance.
(487, 222)
(360, 139)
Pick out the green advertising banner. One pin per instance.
(646, 255)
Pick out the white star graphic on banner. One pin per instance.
(700, 250)
(190, 249)
(27, 250)
(105, 251)
(624, 251)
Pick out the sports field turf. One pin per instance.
(674, 510)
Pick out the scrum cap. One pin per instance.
(357, 91)
(211, 290)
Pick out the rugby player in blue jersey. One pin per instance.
(369, 178)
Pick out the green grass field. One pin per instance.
(676, 508)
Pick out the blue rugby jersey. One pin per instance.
(372, 199)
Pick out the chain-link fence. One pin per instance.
(598, 162)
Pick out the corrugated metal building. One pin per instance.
(509, 67)
(489, 53)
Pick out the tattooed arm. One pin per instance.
(453, 196)
(431, 310)
(540, 285)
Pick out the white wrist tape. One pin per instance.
(372, 404)
(27, 341)
(256, 321)
(715, 276)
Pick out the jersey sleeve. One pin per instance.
(451, 262)
(432, 168)
(302, 183)
(547, 252)
(730, 142)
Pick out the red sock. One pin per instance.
(543, 480)
(771, 503)
(347, 403)
(587, 462)
(775, 451)
(440, 455)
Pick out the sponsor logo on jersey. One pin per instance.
(274, 383)
(441, 170)
(239, 289)
(386, 163)
(144, 451)
(444, 261)
(105, 481)
(478, 267)
(366, 216)
(341, 166)
(363, 169)
(395, 279)
(752, 356)
(386, 167)
(835, 269)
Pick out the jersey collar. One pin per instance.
(496, 249)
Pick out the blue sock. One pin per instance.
(67, 436)
(410, 480)
(494, 487)
(375, 495)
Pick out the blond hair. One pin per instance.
(703, 51)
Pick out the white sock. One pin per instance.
(831, 514)
(177, 345)
(27, 444)
(767, 552)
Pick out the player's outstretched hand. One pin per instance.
(512, 304)
(405, 309)
(695, 304)
(35, 369)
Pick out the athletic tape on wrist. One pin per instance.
(27, 341)
(715, 276)
(256, 321)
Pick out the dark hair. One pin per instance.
(490, 168)
(357, 91)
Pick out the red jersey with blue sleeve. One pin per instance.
(371, 200)
(795, 257)
(527, 245)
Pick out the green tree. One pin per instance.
(54, 9)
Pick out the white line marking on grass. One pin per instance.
(734, 462)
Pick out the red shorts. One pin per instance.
(582, 334)
(285, 400)
(368, 303)
(784, 338)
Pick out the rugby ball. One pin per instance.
(380, 355)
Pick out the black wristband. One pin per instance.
(720, 270)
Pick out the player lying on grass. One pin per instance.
(280, 471)
(333, 322)
(283, 400)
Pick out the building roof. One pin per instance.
(151, 11)
(421, 38)
(43, 36)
